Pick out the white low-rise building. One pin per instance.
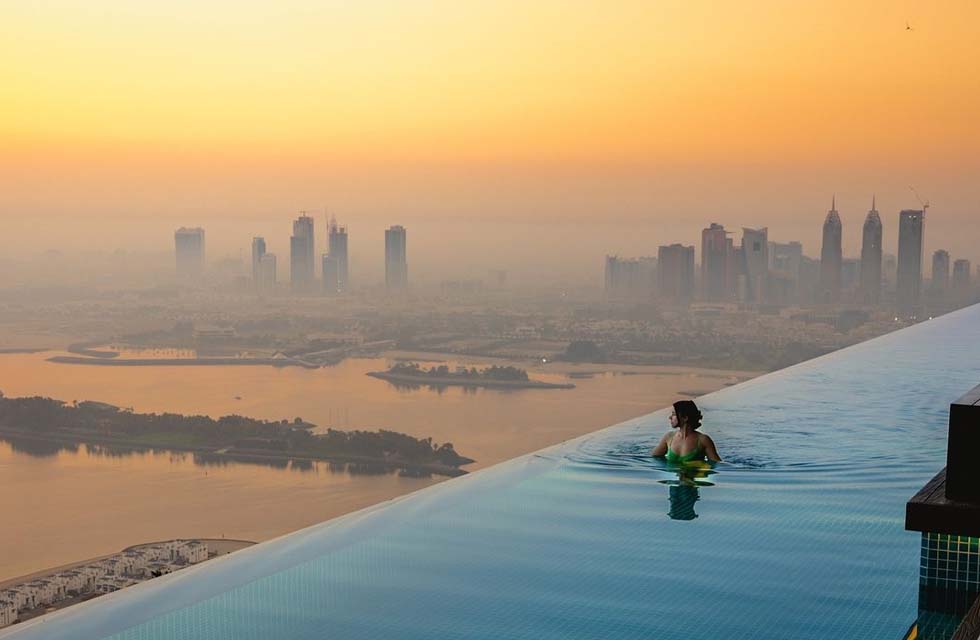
(110, 584)
(21, 598)
(47, 591)
(193, 552)
(104, 576)
(75, 580)
(8, 613)
(134, 562)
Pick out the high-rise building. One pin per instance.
(338, 279)
(785, 263)
(831, 256)
(717, 264)
(258, 250)
(850, 276)
(396, 258)
(630, 278)
(940, 271)
(302, 270)
(755, 252)
(809, 280)
(911, 231)
(961, 276)
(331, 274)
(497, 278)
(889, 271)
(266, 274)
(189, 251)
(871, 257)
(675, 272)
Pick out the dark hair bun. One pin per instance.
(688, 410)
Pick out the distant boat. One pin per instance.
(238, 397)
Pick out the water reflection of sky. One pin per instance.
(77, 501)
(488, 425)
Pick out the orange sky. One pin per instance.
(182, 109)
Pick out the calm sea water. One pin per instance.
(798, 535)
(67, 504)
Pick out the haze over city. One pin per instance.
(570, 122)
(276, 275)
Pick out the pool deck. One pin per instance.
(930, 510)
(950, 502)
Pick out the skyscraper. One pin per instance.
(809, 280)
(675, 272)
(911, 230)
(755, 252)
(302, 270)
(961, 276)
(630, 278)
(940, 271)
(266, 274)
(889, 270)
(189, 251)
(850, 276)
(336, 260)
(871, 257)
(258, 250)
(331, 274)
(785, 264)
(831, 257)
(717, 264)
(396, 258)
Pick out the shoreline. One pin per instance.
(467, 382)
(228, 453)
(172, 362)
(534, 365)
(6, 583)
(76, 592)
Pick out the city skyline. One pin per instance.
(718, 262)
(474, 246)
(486, 113)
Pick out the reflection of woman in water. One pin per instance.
(685, 490)
(682, 498)
(687, 444)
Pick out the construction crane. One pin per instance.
(925, 205)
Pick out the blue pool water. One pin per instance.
(798, 535)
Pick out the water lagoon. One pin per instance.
(73, 503)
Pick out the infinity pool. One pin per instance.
(799, 534)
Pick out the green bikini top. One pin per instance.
(690, 456)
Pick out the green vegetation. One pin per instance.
(583, 351)
(442, 371)
(103, 423)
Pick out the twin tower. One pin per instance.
(910, 247)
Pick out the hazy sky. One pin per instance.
(122, 119)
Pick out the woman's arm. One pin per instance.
(709, 448)
(660, 450)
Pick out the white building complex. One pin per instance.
(104, 576)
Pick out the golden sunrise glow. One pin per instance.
(433, 79)
(122, 119)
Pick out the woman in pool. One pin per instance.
(687, 444)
